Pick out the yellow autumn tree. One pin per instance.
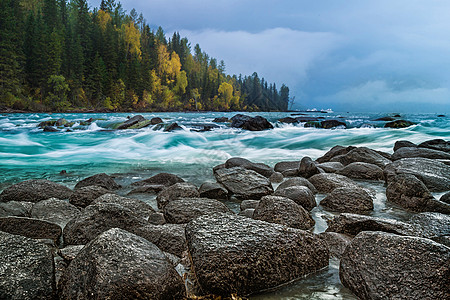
(103, 18)
(225, 95)
(132, 39)
(169, 65)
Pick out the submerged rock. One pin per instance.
(103, 180)
(257, 123)
(221, 120)
(130, 122)
(378, 265)
(234, 254)
(35, 190)
(243, 183)
(172, 127)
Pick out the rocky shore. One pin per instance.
(98, 241)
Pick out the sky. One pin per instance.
(352, 55)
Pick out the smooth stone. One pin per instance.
(300, 195)
(307, 168)
(130, 122)
(103, 180)
(173, 127)
(35, 190)
(165, 179)
(297, 181)
(247, 213)
(286, 165)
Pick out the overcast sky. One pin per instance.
(352, 55)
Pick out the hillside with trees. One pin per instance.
(58, 55)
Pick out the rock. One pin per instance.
(276, 177)
(398, 124)
(300, 195)
(328, 124)
(410, 193)
(384, 119)
(61, 122)
(168, 237)
(287, 165)
(284, 211)
(139, 207)
(288, 120)
(335, 151)
(221, 120)
(307, 119)
(290, 173)
(46, 123)
(326, 182)
(445, 198)
(142, 272)
(234, 254)
(247, 213)
(178, 190)
(55, 211)
(378, 265)
(31, 228)
(436, 144)
(307, 168)
(26, 269)
(98, 218)
(362, 154)
(213, 190)
(257, 123)
(165, 179)
(157, 218)
(147, 189)
(259, 168)
(184, 210)
(50, 129)
(35, 190)
(70, 252)
(361, 170)
(352, 224)
(130, 122)
(401, 144)
(248, 204)
(13, 209)
(172, 127)
(155, 121)
(330, 167)
(397, 116)
(336, 242)
(297, 181)
(243, 183)
(441, 116)
(434, 174)
(431, 225)
(141, 124)
(102, 180)
(409, 152)
(348, 199)
(84, 196)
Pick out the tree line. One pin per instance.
(59, 55)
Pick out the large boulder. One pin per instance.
(436, 144)
(55, 211)
(184, 210)
(401, 144)
(178, 190)
(326, 182)
(103, 180)
(431, 225)
(349, 200)
(35, 190)
(139, 207)
(361, 170)
(409, 152)
(434, 174)
(307, 168)
(243, 183)
(120, 265)
(335, 151)
(286, 165)
(234, 254)
(13, 209)
(26, 269)
(98, 218)
(257, 123)
(284, 211)
(84, 196)
(410, 193)
(378, 265)
(328, 124)
(297, 181)
(399, 124)
(362, 154)
(168, 237)
(213, 190)
(130, 122)
(31, 228)
(300, 195)
(165, 179)
(259, 168)
(352, 224)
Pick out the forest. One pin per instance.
(59, 55)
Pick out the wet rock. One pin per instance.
(35, 190)
(307, 168)
(445, 198)
(348, 199)
(141, 124)
(61, 122)
(165, 179)
(259, 168)
(13, 209)
(284, 211)
(276, 177)
(221, 120)
(84, 196)
(326, 182)
(26, 268)
(441, 116)
(130, 122)
(330, 167)
(361, 170)
(399, 124)
(247, 204)
(431, 225)
(362, 154)
(378, 265)
(155, 121)
(103, 180)
(436, 144)
(168, 237)
(55, 211)
(328, 124)
(142, 272)
(70, 252)
(288, 120)
(98, 218)
(147, 189)
(352, 224)
(176, 191)
(257, 123)
(157, 218)
(434, 174)
(213, 190)
(46, 123)
(387, 119)
(409, 152)
(31, 228)
(139, 207)
(335, 151)
(234, 254)
(50, 129)
(336, 242)
(300, 195)
(401, 144)
(243, 183)
(247, 213)
(286, 165)
(172, 127)
(297, 181)
(184, 210)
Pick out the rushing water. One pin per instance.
(26, 152)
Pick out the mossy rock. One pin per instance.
(140, 125)
(399, 124)
(47, 123)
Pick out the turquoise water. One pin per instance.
(26, 152)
